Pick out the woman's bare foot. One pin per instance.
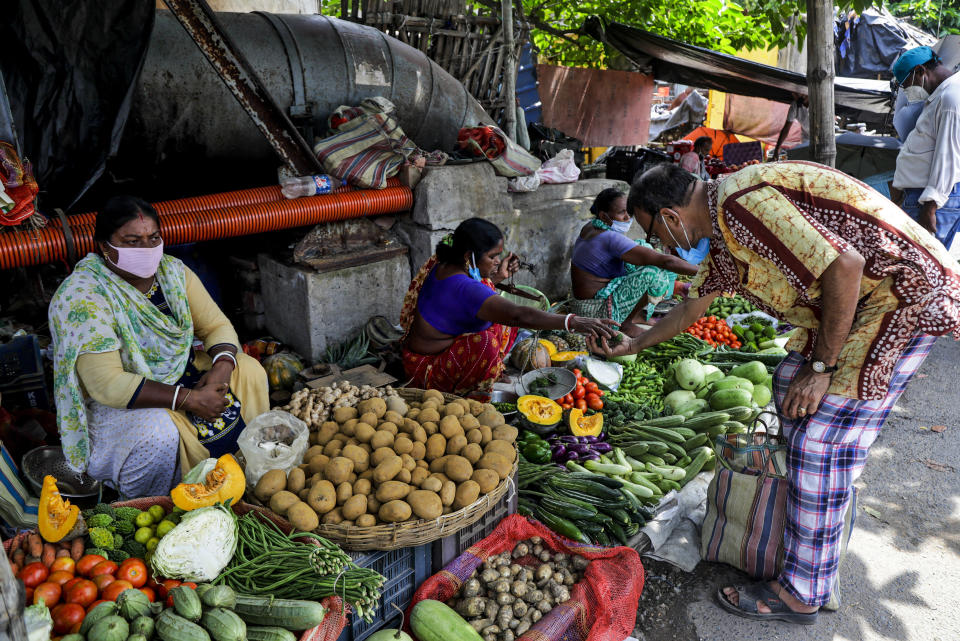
(730, 593)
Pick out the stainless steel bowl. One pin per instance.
(565, 382)
(49, 460)
(504, 396)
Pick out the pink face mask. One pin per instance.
(139, 261)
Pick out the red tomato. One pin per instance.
(591, 388)
(82, 593)
(47, 593)
(166, 586)
(66, 616)
(29, 594)
(134, 571)
(60, 577)
(114, 589)
(72, 582)
(150, 594)
(103, 580)
(579, 392)
(64, 564)
(581, 404)
(594, 402)
(33, 574)
(87, 563)
(104, 567)
(189, 584)
(577, 372)
(95, 604)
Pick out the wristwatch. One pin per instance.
(821, 368)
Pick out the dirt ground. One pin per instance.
(899, 577)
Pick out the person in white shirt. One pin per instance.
(799, 111)
(692, 161)
(928, 167)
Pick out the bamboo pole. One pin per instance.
(509, 93)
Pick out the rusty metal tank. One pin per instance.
(184, 119)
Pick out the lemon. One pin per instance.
(157, 513)
(143, 535)
(164, 527)
(144, 519)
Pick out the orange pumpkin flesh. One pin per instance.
(56, 518)
(224, 482)
(581, 425)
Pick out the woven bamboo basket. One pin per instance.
(413, 533)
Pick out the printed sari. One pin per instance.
(470, 366)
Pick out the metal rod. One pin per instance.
(221, 52)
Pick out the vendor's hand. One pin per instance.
(603, 347)
(509, 266)
(219, 374)
(805, 393)
(207, 402)
(593, 327)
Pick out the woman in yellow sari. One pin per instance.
(136, 405)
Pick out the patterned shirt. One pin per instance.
(776, 229)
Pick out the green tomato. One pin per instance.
(143, 535)
(164, 527)
(152, 544)
(144, 519)
(157, 512)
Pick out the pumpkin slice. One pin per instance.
(224, 482)
(539, 413)
(581, 425)
(57, 520)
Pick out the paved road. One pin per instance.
(899, 579)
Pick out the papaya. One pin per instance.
(762, 395)
(731, 382)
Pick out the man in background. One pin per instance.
(928, 167)
(799, 111)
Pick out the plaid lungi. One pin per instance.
(827, 453)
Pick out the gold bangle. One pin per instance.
(184, 401)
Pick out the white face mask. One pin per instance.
(139, 261)
(916, 93)
(621, 226)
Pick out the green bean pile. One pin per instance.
(269, 562)
(682, 345)
(533, 474)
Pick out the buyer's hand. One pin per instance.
(605, 348)
(805, 393)
(207, 402)
(509, 266)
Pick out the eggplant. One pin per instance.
(590, 439)
(558, 451)
(571, 456)
(602, 447)
(592, 456)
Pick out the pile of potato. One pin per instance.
(384, 462)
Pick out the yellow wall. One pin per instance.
(717, 99)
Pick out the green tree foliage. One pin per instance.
(939, 17)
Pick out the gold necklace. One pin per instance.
(153, 288)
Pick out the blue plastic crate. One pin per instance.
(405, 569)
(450, 547)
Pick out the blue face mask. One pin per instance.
(473, 271)
(621, 226)
(696, 254)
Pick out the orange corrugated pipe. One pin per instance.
(252, 196)
(48, 245)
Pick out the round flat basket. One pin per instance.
(413, 533)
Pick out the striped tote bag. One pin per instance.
(746, 507)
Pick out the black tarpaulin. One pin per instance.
(675, 61)
(871, 44)
(70, 67)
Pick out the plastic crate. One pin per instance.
(450, 547)
(624, 164)
(21, 374)
(405, 569)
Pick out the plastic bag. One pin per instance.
(559, 169)
(524, 183)
(275, 440)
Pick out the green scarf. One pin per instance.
(96, 311)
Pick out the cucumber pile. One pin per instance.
(723, 306)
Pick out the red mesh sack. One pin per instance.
(602, 607)
(337, 610)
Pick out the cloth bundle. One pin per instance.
(19, 187)
(507, 157)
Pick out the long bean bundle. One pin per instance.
(680, 346)
(269, 562)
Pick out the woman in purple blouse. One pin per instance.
(457, 329)
(619, 277)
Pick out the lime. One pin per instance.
(143, 535)
(164, 527)
(157, 513)
(152, 544)
(143, 519)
